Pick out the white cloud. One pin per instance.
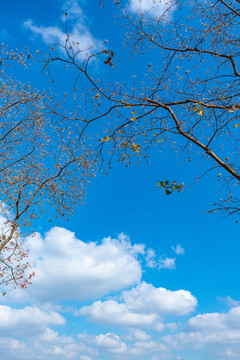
(138, 334)
(151, 258)
(111, 312)
(207, 330)
(215, 333)
(86, 347)
(111, 341)
(147, 298)
(150, 349)
(166, 263)
(73, 10)
(163, 262)
(27, 320)
(216, 321)
(178, 249)
(114, 345)
(53, 34)
(229, 301)
(50, 34)
(13, 349)
(67, 268)
(158, 8)
(46, 345)
(53, 346)
(80, 35)
(149, 346)
(141, 306)
(172, 326)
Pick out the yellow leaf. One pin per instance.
(124, 157)
(201, 112)
(226, 159)
(161, 140)
(133, 112)
(106, 138)
(236, 125)
(133, 119)
(219, 174)
(124, 144)
(135, 147)
(96, 96)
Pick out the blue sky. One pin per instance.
(134, 274)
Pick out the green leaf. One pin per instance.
(170, 187)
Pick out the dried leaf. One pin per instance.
(96, 96)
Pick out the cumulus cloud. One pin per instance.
(178, 249)
(47, 345)
(12, 349)
(68, 268)
(109, 345)
(158, 8)
(141, 306)
(138, 334)
(111, 312)
(163, 262)
(216, 321)
(146, 347)
(218, 333)
(166, 263)
(113, 344)
(151, 258)
(109, 341)
(27, 320)
(209, 329)
(147, 298)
